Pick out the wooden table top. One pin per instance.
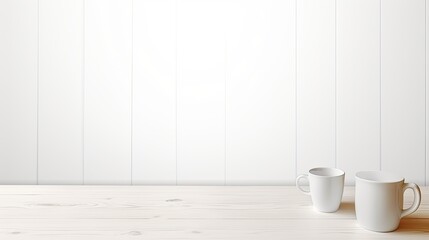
(185, 212)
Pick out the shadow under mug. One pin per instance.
(379, 200)
(326, 188)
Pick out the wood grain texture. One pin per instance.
(162, 212)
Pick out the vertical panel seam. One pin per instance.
(176, 55)
(37, 92)
(335, 84)
(226, 76)
(131, 92)
(83, 92)
(426, 173)
(380, 86)
(296, 88)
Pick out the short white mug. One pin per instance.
(379, 200)
(326, 188)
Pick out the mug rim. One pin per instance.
(336, 172)
(384, 177)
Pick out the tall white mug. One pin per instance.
(326, 188)
(379, 200)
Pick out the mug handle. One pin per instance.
(417, 198)
(299, 186)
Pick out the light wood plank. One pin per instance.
(315, 84)
(403, 88)
(154, 92)
(169, 212)
(200, 92)
(61, 92)
(108, 28)
(18, 91)
(358, 86)
(235, 202)
(260, 102)
(203, 229)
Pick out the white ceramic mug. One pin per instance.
(326, 188)
(379, 200)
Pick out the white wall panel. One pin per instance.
(18, 92)
(60, 92)
(358, 86)
(200, 92)
(315, 84)
(260, 128)
(154, 92)
(426, 93)
(211, 91)
(107, 99)
(403, 88)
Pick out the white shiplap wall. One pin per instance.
(154, 90)
(18, 91)
(60, 105)
(358, 86)
(200, 78)
(107, 90)
(210, 91)
(260, 92)
(316, 78)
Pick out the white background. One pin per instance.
(210, 91)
